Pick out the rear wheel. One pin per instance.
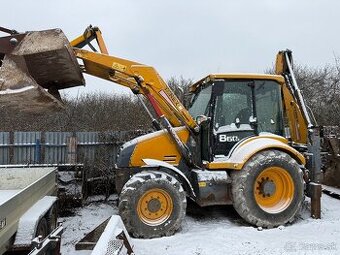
(43, 231)
(269, 190)
(52, 217)
(42, 228)
(152, 204)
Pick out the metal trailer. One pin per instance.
(27, 206)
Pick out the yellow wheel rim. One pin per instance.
(274, 189)
(154, 207)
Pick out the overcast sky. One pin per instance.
(191, 38)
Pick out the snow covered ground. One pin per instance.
(219, 230)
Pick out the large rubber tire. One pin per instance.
(285, 189)
(42, 228)
(52, 218)
(43, 231)
(152, 204)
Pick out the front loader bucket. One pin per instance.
(34, 66)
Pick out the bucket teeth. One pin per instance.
(35, 66)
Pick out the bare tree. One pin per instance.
(321, 89)
(101, 112)
(180, 87)
(90, 112)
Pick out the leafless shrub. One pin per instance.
(89, 112)
(180, 86)
(321, 90)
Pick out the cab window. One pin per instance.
(200, 101)
(234, 107)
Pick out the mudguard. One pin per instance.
(184, 180)
(245, 149)
(29, 221)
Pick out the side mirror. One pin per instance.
(200, 119)
(252, 120)
(253, 123)
(237, 122)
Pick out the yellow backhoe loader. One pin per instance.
(246, 139)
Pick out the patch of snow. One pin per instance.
(101, 198)
(29, 221)
(107, 240)
(332, 189)
(84, 221)
(233, 128)
(66, 176)
(14, 91)
(20, 178)
(147, 137)
(221, 235)
(221, 159)
(6, 195)
(219, 230)
(217, 176)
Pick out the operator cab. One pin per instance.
(232, 108)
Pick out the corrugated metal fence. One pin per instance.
(60, 147)
(331, 155)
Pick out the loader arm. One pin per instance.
(89, 35)
(140, 78)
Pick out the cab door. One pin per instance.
(245, 108)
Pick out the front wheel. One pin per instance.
(269, 190)
(152, 204)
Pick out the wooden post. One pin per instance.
(72, 150)
(316, 190)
